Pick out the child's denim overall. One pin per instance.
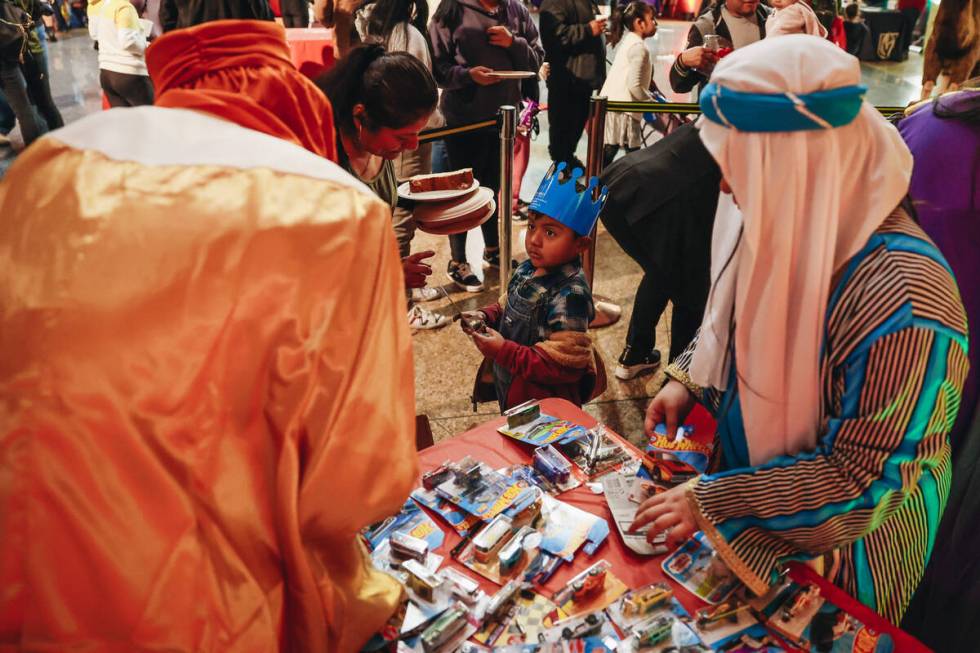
(519, 323)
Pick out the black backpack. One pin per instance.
(15, 25)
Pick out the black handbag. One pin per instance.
(15, 25)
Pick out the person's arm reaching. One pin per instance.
(892, 432)
(684, 74)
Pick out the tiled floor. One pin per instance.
(445, 360)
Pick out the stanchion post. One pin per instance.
(595, 128)
(606, 312)
(505, 207)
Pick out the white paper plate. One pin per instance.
(512, 74)
(405, 190)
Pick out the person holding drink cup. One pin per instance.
(572, 35)
(729, 25)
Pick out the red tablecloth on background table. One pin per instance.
(485, 444)
(311, 49)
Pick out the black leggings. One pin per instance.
(659, 285)
(126, 90)
(290, 20)
(295, 13)
(35, 69)
(14, 87)
(479, 150)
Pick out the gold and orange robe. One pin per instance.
(207, 390)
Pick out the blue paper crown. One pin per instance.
(564, 202)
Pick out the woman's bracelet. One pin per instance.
(680, 375)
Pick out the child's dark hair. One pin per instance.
(851, 11)
(395, 88)
(623, 18)
(388, 14)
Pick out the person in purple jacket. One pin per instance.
(944, 137)
(471, 39)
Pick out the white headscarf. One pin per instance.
(797, 18)
(809, 202)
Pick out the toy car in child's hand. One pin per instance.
(473, 322)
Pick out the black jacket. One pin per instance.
(684, 79)
(177, 14)
(569, 46)
(669, 189)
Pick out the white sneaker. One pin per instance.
(423, 318)
(425, 294)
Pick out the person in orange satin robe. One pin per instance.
(241, 71)
(206, 375)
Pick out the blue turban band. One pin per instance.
(782, 112)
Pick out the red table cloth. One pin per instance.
(311, 49)
(484, 443)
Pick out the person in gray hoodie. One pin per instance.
(470, 40)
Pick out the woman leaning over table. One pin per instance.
(381, 101)
(399, 25)
(833, 347)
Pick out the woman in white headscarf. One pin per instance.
(833, 347)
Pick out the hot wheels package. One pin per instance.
(590, 591)
(461, 521)
(544, 430)
(479, 490)
(697, 566)
(805, 618)
(412, 521)
(566, 528)
(636, 605)
(682, 449)
(596, 453)
(728, 623)
(618, 490)
(532, 476)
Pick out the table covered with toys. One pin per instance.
(517, 539)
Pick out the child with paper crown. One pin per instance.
(535, 340)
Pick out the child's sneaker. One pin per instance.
(632, 365)
(423, 318)
(425, 294)
(462, 275)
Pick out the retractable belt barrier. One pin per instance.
(689, 108)
(506, 125)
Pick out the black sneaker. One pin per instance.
(631, 365)
(462, 275)
(520, 213)
(491, 259)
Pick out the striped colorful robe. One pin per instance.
(868, 499)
